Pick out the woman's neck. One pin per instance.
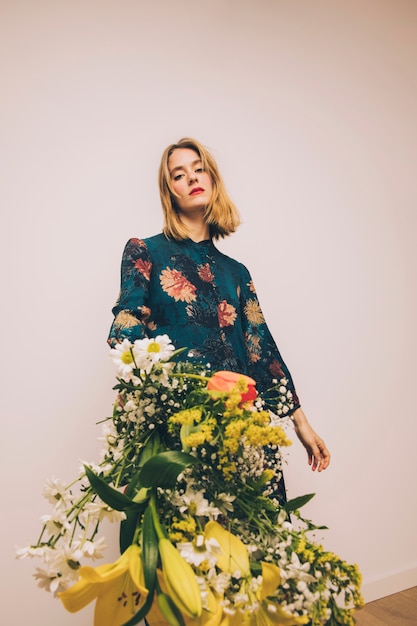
(197, 237)
(198, 230)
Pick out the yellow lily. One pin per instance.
(118, 588)
(269, 612)
(234, 556)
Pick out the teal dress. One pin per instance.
(205, 301)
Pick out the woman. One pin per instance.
(178, 283)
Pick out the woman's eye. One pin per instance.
(199, 170)
(178, 177)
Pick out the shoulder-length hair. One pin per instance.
(221, 214)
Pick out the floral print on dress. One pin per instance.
(253, 312)
(205, 274)
(126, 320)
(176, 285)
(254, 347)
(144, 267)
(227, 314)
(275, 368)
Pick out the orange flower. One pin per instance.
(228, 381)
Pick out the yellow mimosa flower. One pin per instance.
(118, 588)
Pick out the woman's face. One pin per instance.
(191, 183)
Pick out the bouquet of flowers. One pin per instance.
(189, 469)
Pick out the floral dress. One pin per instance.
(205, 301)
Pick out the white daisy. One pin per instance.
(22, 553)
(194, 502)
(92, 549)
(56, 523)
(55, 492)
(123, 355)
(224, 502)
(49, 580)
(149, 351)
(199, 550)
(97, 511)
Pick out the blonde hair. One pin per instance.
(221, 214)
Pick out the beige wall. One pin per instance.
(310, 107)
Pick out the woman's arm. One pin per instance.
(266, 364)
(317, 452)
(132, 312)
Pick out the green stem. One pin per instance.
(95, 530)
(155, 517)
(185, 375)
(41, 535)
(78, 506)
(137, 533)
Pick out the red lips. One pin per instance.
(196, 190)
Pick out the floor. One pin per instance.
(399, 609)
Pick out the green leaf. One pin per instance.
(176, 353)
(152, 447)
(162, 469)
(142, 496)
(150, 550)
(297, 503)
(109, 495)
(128, 528)
(149, 561)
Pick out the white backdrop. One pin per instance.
(310, 108)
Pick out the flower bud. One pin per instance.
(228, 381)
(180, 580)
(169, 610)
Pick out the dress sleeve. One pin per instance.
(265, 363)
(131, 311)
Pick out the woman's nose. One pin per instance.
(192, 177)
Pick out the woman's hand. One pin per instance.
(318, 454)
